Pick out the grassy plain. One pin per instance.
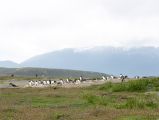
(133, 100)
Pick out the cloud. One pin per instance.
(33, 27)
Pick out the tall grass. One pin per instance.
(140, 85)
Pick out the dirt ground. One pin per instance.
(24, 83)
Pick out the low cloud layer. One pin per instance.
(33, 27)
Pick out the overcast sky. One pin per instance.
(31, 27)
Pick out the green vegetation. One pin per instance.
(45, 72)
(133, 100)
(141, 85)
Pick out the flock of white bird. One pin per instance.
(81, 80)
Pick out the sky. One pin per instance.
(31, 27)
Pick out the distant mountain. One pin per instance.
(8, 64)
(142, 61)
(45, 72)
(135, 61)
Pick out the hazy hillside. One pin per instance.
(9, 64)
(134, 61)
(44, 72)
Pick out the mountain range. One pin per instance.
(143, 61)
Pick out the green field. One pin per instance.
(133, 100)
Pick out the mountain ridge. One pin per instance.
(142, 61)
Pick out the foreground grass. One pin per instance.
(104, 102)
